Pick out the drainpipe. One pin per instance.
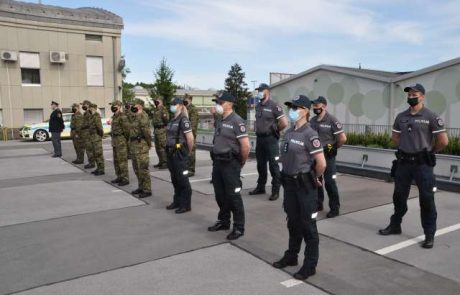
(115, 69)
(391, 104)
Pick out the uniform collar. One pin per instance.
(229, 116)
(326, 116)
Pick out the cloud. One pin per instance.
(238, 25)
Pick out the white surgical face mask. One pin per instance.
(219, 109)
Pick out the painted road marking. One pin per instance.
(398, 246)
(116, 190)
(209, 178)
(291, 283)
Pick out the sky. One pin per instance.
(201, 39)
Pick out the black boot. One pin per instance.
(429, 242)
(274, 197)
(116, 180)
(235, 234)
(172, 206)
(332, 213)
(136, 191)
(257, 191)
(145, 194)
(285, 261)
(219, 226)
(89, 166)
(390, 230)
(305, 272)
(123, 182)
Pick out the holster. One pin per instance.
(330, 150)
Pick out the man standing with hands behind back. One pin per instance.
(56, 126)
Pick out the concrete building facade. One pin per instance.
(55, 53)
(360, 96)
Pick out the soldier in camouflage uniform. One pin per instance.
(85, 134)
(160, 119)
(129, 115)
(76, 123)
(96, 132)
(140, 142)
(194, 118)
(120, 136)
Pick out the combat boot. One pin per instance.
(305, 272)
(116, 180)
(145, 194)
(99, 172)
(123, 182)
(89, 166)
(257, 191)
(285, 261)
(429, 242)
(274, 197)
(136, 191)
(390, 230)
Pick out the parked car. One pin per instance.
(39, 131)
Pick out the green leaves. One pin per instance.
(236, 85)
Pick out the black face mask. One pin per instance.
(85, 108)
(134, 109)
(74, 110)
(114, 109)
(185, 103)
(317, 111)
(127, 107)
(156, 103)
(412, 101)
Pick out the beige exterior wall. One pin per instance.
(65, 83)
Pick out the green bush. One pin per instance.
(383, 140)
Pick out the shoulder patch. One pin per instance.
(242, 128)
(338, 125)
(440, 122)
(315, 143)
(279, 109)
(187, 125)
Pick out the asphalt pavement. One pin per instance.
(65, 231)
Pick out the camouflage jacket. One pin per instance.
(160, 117)
(76, 122)
(139, 128)
(120, 125)
(96, 124)
(193, 117)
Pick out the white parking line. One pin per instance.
(401, 245)
(291, 283)
(209, 178)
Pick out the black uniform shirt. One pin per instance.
(227, 134)
(56, 123)
(173, 130)
(266, 116)
(328, 128)
(417, 131)
(298, 149)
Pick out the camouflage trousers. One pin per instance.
(160, 145)
(120, 157)
(86, 137)
(140, 160)
(191, 159)
(98, 152)
(79, 146)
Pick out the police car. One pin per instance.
(39, 132)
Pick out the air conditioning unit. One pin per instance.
(9, 55)
(57, 57)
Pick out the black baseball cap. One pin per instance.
(262, 86)
(177, 100)
(320, 99)
(224, 96)
(417, 87)
(55, 103)
(299, 101)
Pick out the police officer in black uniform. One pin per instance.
(270, 121)
(303, 161)
(56, 126)
(332, 137)
(179, 145)
(229, 153)
(419, 134)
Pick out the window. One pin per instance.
(32, 116)
(102, 111)
(30, 76)
(94, 71)
(30, 68)
(90, 37)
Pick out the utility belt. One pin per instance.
(178, 150)
(420, 158)
(301, 180)
(226, 157)
(137, 138)
(268, 134)
(330, 150)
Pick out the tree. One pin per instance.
(236, 85)
(163, 85)
(127, 94)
